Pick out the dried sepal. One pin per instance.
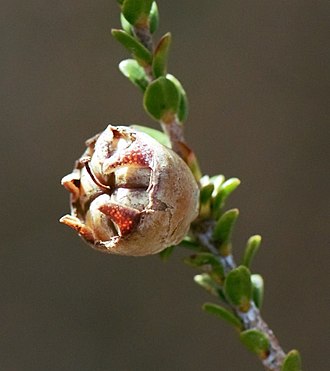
(130, 195)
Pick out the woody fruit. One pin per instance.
(129, 194)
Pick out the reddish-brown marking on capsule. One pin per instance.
(125, 218)
(135, 155)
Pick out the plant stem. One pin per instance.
(253, 320)
(143, 34)
(174, 131)
(202, 231)
(171, 126)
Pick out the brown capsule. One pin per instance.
(130, 195)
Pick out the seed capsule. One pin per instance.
(130, 195)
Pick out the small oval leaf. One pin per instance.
(134, 72)
(159, 62)
(153, 18)
(161, 99)
(126, 26)
(256, 341)
(292, 361)
(138, 50)
(183, 105)
(205, 197)
(225, 190)
(204, 258)
(137, 12)
(189, 244)
(204, 280)
(251, 249)
(238, 288)
(257, 289)
(206, 193)
(166, 253)
(224, 227)
(217, 181)
(223, 313)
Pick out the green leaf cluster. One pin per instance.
(236, 292)
(214, 192)
(164, 98)
(236, 287)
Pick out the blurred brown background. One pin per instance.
(257, 74)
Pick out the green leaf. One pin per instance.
(206, 193)
(205, 258)
(153, 18)
(217, 181)
(137, 11)
(126, 26)
(204, 280)
(156, 134)
(201, 259)
(251, 249)
(159, 62)
(238, 288)
(223, 313)
(224, 226)
(292, 361)
(204, 180)
(225, 190)
(166, 253)
(183, 104)
(161, 99)
(134, 72)
(256, 341)
(189, 244)
(139, 51)
(257, 289)
(205, 197)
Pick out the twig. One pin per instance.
(251, 319)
